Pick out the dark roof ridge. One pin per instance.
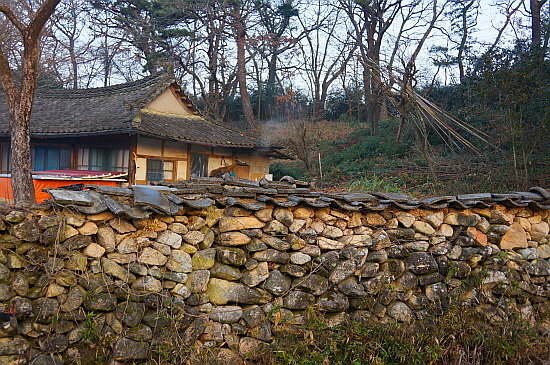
(157, 78)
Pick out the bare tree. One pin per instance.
(69, 47)
(371, 21)
(19, 90)
(326, 52)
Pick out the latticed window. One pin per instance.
(51, 158)
(103, 159)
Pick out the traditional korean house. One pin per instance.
(144, 131)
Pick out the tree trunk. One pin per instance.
(536, 6)
(241, 71)
(20, 99)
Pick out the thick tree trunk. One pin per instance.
(20, 99)
(536, 6)
(241, 71)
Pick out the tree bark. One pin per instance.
(536, 6)
(240, 35)
(20, 99)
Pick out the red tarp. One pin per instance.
(39, 184)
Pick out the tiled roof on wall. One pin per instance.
(139, 201)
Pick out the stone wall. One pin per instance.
(235, 270)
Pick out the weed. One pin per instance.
(458, 336)
(89, 333)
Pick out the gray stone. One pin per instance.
(257, 275)
(293, 270)
(299, 300)
(170, 238)
(129, 313)
(125, 349)
(193, 237)
(436, 292)
(231, 256)
(13, 346)
(140, 333)
(181, 290)
(421, 263)
(284, 216)
(459, 269)
(332, 232)
(538, 267)
(311, 250)
(342, 271)
(271, 255)
(253, 316)
(179, 261)
(299, 258)
(54, 343)
(312, 283)
(74, 299)
(400, 311)
(204, 259)
(368, 270)
(157, 319)
(15, 216)
(276, 243)
(6, 293)
(221, 271)
(255, 245)
(106, 238)
(430, 279)
(20, 284)
(193, 332)
(112, 268)
(226, 314)
(406, 282)
(261, 332)
(104, 302)
(45, 309)
(26, 230)
(51, 221)
(147, 284)
(423, 228)
(178, 228)
(351, 288)
(275, 227)
(328, 244)
(379, 256)
(277, 283)
(198, 281)
(529, 253)
(222, 292)
(150, 256)
(376, 284)
(332, 301)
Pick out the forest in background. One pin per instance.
(418, 96)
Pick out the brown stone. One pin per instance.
(374, 219)
(515, 237)
(237, 223)
(477, 235)
(87, 229)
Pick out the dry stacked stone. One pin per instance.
(92, 286)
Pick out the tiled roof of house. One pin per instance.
(116, 109)
(140, 201)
